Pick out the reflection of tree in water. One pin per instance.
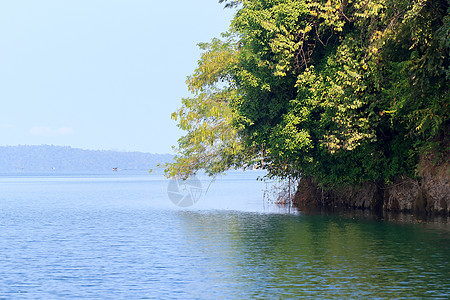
(319, 256)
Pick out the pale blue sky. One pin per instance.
(99, 74)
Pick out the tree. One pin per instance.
(212, 142)
(342, 91)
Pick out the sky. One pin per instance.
(100, 74)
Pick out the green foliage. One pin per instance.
(212, 142)
(343, 91)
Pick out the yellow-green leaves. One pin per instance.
(214, 66)
(343, 91)
(211, 141)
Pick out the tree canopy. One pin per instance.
(344, 91)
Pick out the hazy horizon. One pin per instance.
(52, 158)
(85, 149)
(100, 74)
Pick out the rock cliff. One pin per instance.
(429, 193)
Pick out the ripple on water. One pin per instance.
(113, 239)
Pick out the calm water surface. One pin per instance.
(118, 236)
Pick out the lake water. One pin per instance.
(118, 236)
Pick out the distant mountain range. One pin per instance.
(68, 159)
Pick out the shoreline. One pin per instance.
(426, 195)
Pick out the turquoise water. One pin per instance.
(118, 236)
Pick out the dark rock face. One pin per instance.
(427, 194)
(365, 196)
(403, 195)
(435, 184)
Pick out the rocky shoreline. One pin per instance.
(428, 194)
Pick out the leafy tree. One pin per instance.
(212, 142)
(343, 91)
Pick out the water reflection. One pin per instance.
(122, 238)
(266, 255)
